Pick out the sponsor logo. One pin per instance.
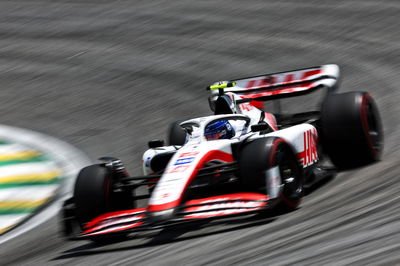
(309, 155)
(178, 169)
(182, 161)
(283, 78)
(189, 154)
(165, 195)
(147, 162)
(246, 107)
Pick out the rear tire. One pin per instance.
(352, 132)
(266, 153)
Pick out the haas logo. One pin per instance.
(309, 155)
(284, 78)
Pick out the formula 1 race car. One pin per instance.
(239, 160)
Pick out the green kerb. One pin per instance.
(3, 142)
(16, 210)
(38, 183)
(21, 161)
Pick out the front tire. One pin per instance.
(93, 196)
(92, 192)
(265, 154)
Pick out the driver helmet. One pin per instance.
(219, 130)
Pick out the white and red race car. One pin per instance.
(239, 160)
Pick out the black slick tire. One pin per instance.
(262, 154)
(93, 196)
(92, 192)
(352, 134)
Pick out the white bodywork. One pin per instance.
(188, 159)
(185, 163)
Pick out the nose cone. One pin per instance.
(160, 216)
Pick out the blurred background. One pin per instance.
(107, 76)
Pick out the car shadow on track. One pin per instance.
(172, 234)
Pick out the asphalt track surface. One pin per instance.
(107, 76)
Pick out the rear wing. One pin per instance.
(281, 85)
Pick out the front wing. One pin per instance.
(122, 222)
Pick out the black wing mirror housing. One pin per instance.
(260, 127)
(156, 143)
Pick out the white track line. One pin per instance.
(27, 168)
(32, 193)
(12, 148)
(12, 219)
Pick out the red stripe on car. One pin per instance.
(211, 155)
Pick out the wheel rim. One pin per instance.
(292, 184)
(374, 129)
(372, 126)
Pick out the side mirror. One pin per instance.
(260, 127)
(156, 143)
